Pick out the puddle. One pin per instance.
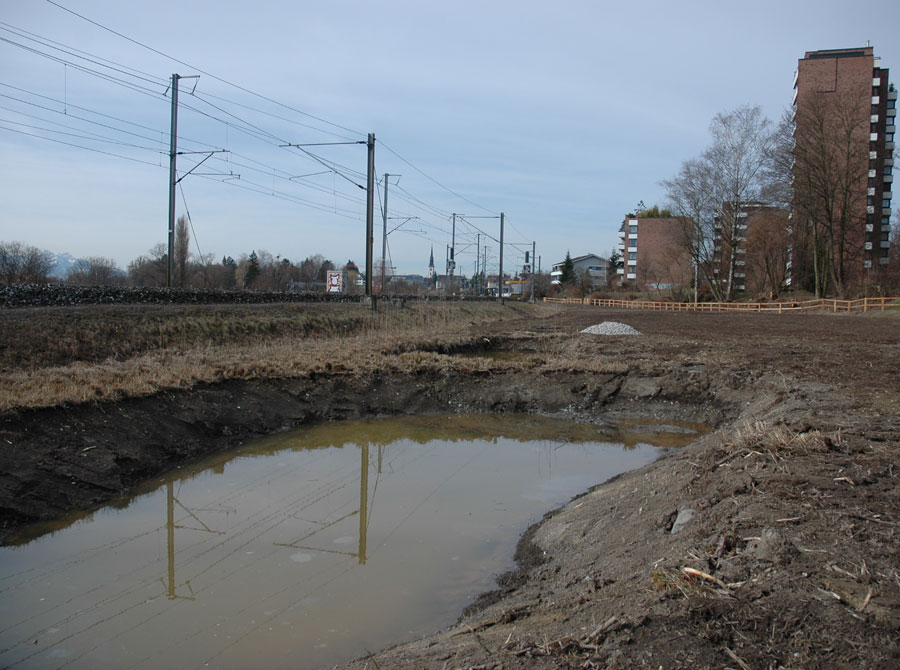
(306, 549)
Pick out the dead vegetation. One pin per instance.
(59, 356)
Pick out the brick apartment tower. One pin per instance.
(654, 256)
(852, 85)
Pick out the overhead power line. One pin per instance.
(202, 71)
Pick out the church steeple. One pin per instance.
(432, 278)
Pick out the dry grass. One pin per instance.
(52, 357)
(776, 440)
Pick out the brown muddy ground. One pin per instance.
(788, 559)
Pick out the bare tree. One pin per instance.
(710, 193)
(778, 178)
(692, 197)
(149, 270)
(22, 264)
(94, 271)
(831, 162)
(740, 155)
(768, 252)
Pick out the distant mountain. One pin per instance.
(62, 264)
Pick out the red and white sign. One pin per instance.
(335, 282)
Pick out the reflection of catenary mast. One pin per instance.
(362, 511)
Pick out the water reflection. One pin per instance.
(302, 550)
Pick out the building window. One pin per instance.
(889, 169)
(632, 255)
(632, 229)
(886, 203)
(892, 104)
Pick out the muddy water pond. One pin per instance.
(304, 549)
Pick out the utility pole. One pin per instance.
(370, 216)
(477, 260)
(384, 234)
(532, 271)
(452, 262)
(173, 158)
(500, 277)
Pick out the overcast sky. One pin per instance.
(562, 115)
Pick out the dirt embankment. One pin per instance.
(769, 543)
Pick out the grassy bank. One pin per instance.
(54, 356)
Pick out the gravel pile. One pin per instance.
(611, 328)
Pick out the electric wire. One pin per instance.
(220, 79)
(114, 73)
(80, 146)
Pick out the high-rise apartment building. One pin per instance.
(844, 111)
(654, 254)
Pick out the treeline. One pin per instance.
(258, 270)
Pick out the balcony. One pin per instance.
(892, 95)
(631, 275)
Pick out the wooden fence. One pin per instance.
(824, 304)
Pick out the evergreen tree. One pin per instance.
(252, 270)
(568, 271)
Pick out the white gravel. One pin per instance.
(611, 328)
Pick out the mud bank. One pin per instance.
(77, 458)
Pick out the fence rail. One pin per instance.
(823, 304)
